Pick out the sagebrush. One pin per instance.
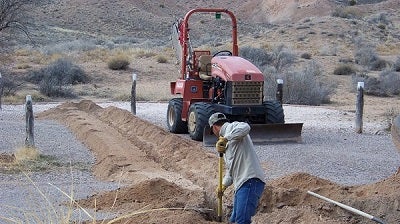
(386, 84)
(118, 62)
(55, 79)
(300, 87)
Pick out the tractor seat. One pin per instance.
(205, 67)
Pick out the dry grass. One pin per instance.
(96, 55)
(388, 49)
(118, 62)
(26, 154)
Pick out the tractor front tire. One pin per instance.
(174, 118)
(198, 119)
(274, 112)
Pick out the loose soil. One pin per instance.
(170, 179)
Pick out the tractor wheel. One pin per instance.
(274, 112)
(198, 119)
(174, 120)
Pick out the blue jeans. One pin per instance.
(246, 201)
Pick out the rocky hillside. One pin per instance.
(90, 32)
(61, 20)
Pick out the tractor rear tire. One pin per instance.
(174, 118)
(274, 112)
(198, 119)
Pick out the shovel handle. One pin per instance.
(220, 167)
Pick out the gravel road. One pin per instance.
(25, 197)
(330, 149)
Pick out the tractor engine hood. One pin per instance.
(233, 68)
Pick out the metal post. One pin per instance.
(133, 94)
(359, 107)
(279, 90)
(29, 140)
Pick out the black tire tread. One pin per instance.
(274, 112)
(179, 126)
(203, 111)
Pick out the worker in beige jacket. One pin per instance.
(243, 168)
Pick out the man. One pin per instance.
(243, 168)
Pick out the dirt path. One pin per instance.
(162, 170)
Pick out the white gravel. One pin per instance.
(24, 197)
(330, 149)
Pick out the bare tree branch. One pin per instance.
(13, 15)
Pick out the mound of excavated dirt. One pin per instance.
(287, 201)
(146, 157)
(178, 177)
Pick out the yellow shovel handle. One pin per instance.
(220, 167)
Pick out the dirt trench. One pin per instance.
(161, 170)
(177, 176)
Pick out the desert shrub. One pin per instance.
(352, 2)
(344, 69)
(51, 87)
(380, 18)
(161, 59)
(305, 55)
(301, 87)
(386, 84)
(327, 50)
(345, 60)
(64, 69)
(54, 80)
(258, 56)
(382, 26)
(396, 65)
(390, 81)
(145, 54)
(118, 62)
(69, 47)
(347, 13)
(367, 57)
(379, 64)
(280, 57)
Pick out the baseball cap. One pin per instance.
(215, 117)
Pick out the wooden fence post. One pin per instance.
(359, 107)
(29, 140)
(133, 94)
(279, 90)
(395, 130)
(1, 89)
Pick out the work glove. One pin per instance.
(220, 192)
(221, 144)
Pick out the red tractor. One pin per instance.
(221, 82)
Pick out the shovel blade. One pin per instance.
(265, 133)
